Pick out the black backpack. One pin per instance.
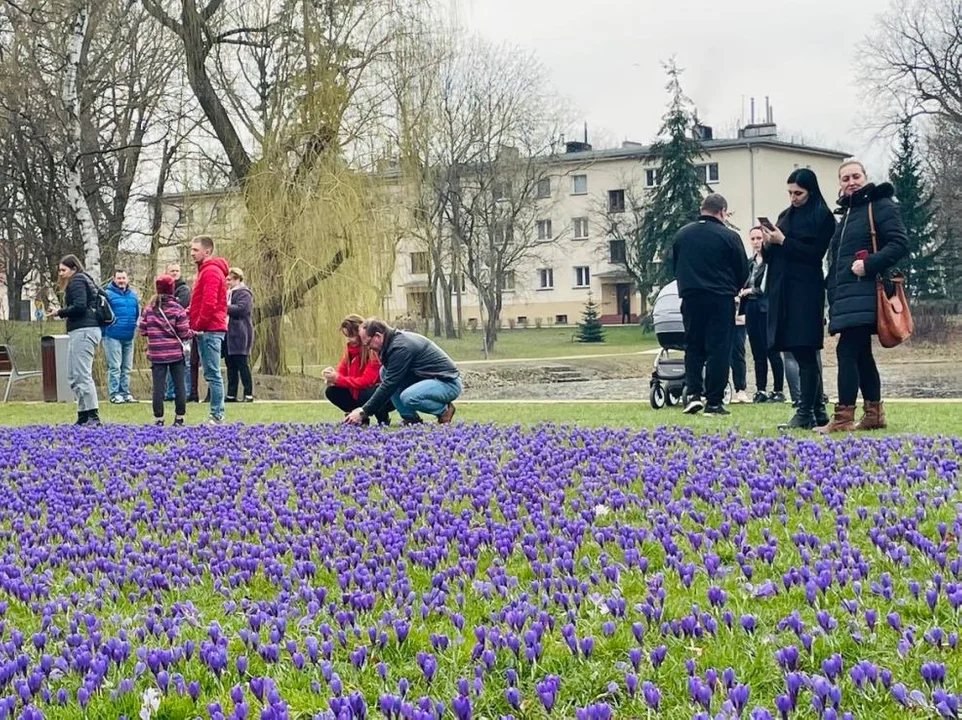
(103, 313)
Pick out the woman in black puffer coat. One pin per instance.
(852, 294)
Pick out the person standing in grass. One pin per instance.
(754, 300)
(710, 266)
(119, 337)
(165, 325)
(182, 295)
(208, 318)
(416, 375)
(240, 335)
(83, 331)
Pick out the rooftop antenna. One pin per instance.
(586, 133)
(768, 110)
(753, 111)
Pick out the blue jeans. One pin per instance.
(120, 359)
(208, 345)
(169, 391)
(430, 396)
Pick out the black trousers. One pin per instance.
(341, 398)
(709, 326)
(739, 366)
(194, 367)
(238, 367)
(625, 317)
(158, 374)
(810, 392)
(856, 367)
(757, 322)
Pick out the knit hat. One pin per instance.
(164, 285)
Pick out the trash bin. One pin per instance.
(53, 363)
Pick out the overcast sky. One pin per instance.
(605, 57)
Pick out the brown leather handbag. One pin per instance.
(892, 315)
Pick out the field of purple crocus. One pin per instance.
(476, 571)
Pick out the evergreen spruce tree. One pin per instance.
(676, 199)
(590, 328)
(923, 267)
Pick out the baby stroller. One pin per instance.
(668, 373)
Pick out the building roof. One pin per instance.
(627, 151)
(632, 150)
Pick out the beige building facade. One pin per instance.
(571, 253)
(577, 256)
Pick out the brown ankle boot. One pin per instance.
(842, 421)
(873, 417)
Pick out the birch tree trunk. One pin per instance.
(71, 104)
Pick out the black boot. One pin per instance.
(809, 392)
(93, 418)
(821, 413)
(82, 416)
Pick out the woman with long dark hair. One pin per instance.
(794, 251)
(853, 267)
(83, 330)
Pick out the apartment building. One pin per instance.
(577, 256)
(573, 254)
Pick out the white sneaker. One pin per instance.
(694, 407)
(213, 420)
(740, 397)
(117, 399)
(130, 399)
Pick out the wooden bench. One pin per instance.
(8, 369)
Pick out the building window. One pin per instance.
(522, 319)
(454, 284)
(581, 228)
(544, 229)
(616, 251)
(419, 263)
(579, 184)
(560, 319)
(507, 281)
(582, 276)
(544, 188)
(546, 279)
(501, 189)
(503, 234)
(616, 201)
(653, 177)
(708, 173)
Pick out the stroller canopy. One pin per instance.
(666, 312)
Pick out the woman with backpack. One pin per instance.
(83, 330)
(165, 325)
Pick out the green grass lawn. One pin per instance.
(903, 417)
(548, 342)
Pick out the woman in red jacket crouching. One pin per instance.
(357, 375)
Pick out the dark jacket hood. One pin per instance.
(866, 194)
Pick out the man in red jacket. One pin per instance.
(208, 317)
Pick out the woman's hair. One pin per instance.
(852, 161)
(237, 273)
(352, 325)
(72, 262)
(807, 180)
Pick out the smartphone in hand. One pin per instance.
(766, 223)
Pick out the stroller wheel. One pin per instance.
(658, 397)
(727, 398)
(673, 397)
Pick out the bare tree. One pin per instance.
(499, 129)
(943, 145)
(911, 65)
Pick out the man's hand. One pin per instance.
(773, 237)
(354, 417)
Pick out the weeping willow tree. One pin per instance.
(294, 92)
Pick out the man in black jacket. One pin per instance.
(416, 375)
(710, 266)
